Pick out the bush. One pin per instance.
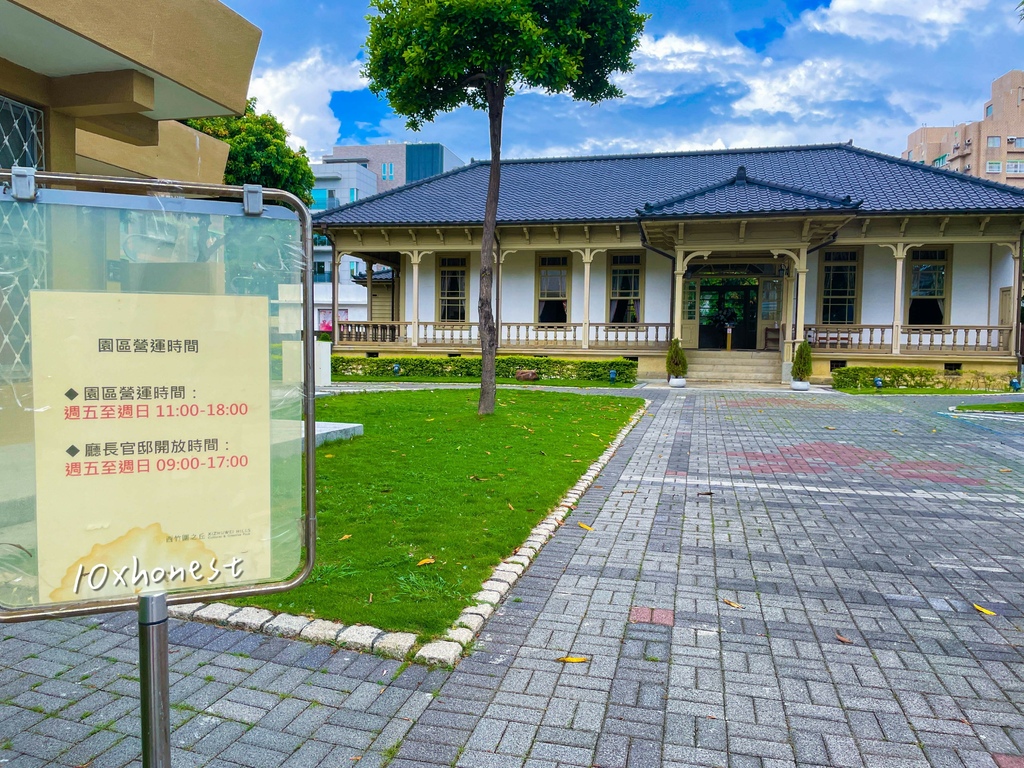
(325, 336)
(505, 367)
(802, 362)
(676, 365)
(863, 377)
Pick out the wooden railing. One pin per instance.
(563, 335)
(448, 334)
(963, 339)
(633, 335)
(373, 333)
(851, 338)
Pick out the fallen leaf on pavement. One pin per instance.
(1006, 470)
(985, 611)
(705, 493)
(831, 428)
(585, 527)
(731, 604)
(573, 659)
(842, 639)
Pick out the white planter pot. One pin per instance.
(799, 386)
(677, 382)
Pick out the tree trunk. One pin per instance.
(495, 92)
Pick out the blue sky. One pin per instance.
(708, 75)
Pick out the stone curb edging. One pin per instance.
(399, 645)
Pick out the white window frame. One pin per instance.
(620, 263)
(553, 262)
(919, 259)
(841, 258)
(995, 141)
(994, 166)
(452, 266)
(1015, 166)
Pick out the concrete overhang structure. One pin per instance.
(113, 77)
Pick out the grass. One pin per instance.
(431, 480)
(922, 391)
(1015, 406)
(476, 380)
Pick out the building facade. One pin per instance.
(394, 165)
(98, 86)
(990, 148)
(741, 254)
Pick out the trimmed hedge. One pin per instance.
(505, 367)
(864, 377)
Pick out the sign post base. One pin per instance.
(154, 681)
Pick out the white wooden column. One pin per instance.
(414, 259)
(677, 306)
(588, 260)
(1015, 292)
(899, 252)
(369, 293)
(335, 264)
(801, 301)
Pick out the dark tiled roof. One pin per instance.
(689, 184)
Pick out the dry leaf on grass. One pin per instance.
(585, 527)
(985, 611)
(842, 639)
(511, 507)
(425, 561)
(346, 536)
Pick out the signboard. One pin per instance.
(151, 417)
(152, 455)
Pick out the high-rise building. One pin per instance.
(991, 148)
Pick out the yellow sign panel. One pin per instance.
(153, 442)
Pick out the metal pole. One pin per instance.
(154, 681)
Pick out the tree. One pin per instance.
(433, 56)
(259, 152)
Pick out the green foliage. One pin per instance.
(324, 336)
(676, 364)
(505, 367)
(259, 152)
(433, 56)
(893, 377)
(802, 362)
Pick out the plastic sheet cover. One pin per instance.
(150, 397)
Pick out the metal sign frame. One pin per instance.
(250, 197)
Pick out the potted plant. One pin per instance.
(801, 368)
(675, 364)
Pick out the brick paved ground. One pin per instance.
(880, 520)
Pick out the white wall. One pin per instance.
(657, 289)
(970, 285)
(878, 287)
(1002, 277)
(518, 276)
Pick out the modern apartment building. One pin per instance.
(98, 86)
(991, 148)
(395, 164)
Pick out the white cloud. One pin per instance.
(674, 64)
(908, 21)
(809, 88)
(299, 95)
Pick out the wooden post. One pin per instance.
(588, 260)
(335, 264)
(414, 258)
(897, 300)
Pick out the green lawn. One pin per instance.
(1014, 406)
(476, 380)
(431, 479)
(921, 391)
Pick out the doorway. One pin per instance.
(726, 301)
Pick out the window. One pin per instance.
(553, 290)
(21, 135)
(910, 155)
(353, 194)
(995, 141)
(319, 200)
(321, 271)
(927, 289)
(988, 110)
(1015, 166)
(940, 161)
(452, 293)
(387, 171)
(839, 287)
(690, 299)
(625, 291)
(993, 166)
